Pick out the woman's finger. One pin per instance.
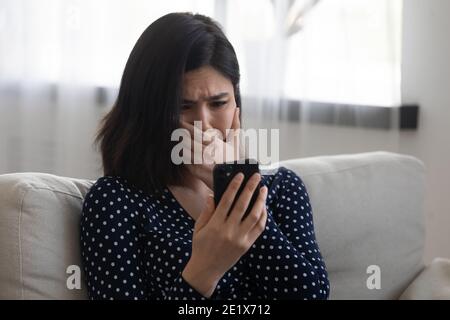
(205, 137)
(245, 197)
(233, 137)
(236, 124)
(199, 153)
(224, 205)
(195, 132)
(253, 217)
(211, 135)
(258, 227)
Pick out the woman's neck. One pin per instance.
(191, 188)
(194, 183)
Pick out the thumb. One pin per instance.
(206, 213)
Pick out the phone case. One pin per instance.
(223, 173)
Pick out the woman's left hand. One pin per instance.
(212, 149)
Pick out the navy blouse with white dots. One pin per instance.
(135, 246)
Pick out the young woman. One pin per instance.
(150, 229)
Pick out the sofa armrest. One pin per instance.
(433, 282)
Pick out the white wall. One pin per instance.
(426, 80)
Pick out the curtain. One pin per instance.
(61, 62)
(345, 51)
(60, 68)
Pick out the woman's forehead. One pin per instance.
(204, 83)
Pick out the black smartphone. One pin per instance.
(223, 173)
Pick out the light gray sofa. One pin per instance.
(368, 215)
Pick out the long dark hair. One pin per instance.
(134, 136)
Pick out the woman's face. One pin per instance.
(208, 97)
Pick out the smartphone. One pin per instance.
(223, 173)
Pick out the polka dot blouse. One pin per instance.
(135, 246)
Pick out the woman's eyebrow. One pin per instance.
(214, 97)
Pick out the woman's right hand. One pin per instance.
(219, 239)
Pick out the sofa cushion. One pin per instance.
(433, 283)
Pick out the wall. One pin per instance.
(426, 80)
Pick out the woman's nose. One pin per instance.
(204, 115)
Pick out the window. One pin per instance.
(346, 51)
(77, 42)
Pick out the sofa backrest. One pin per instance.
(369, 217)
(39, 235)
(367, 208)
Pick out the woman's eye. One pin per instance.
(218, 103)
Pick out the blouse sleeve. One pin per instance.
(113, 256)
(286, 258)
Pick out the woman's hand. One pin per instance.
(210, 148)
(221, 237)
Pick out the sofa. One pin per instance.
(368, 215)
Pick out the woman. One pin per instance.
(150, 229)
